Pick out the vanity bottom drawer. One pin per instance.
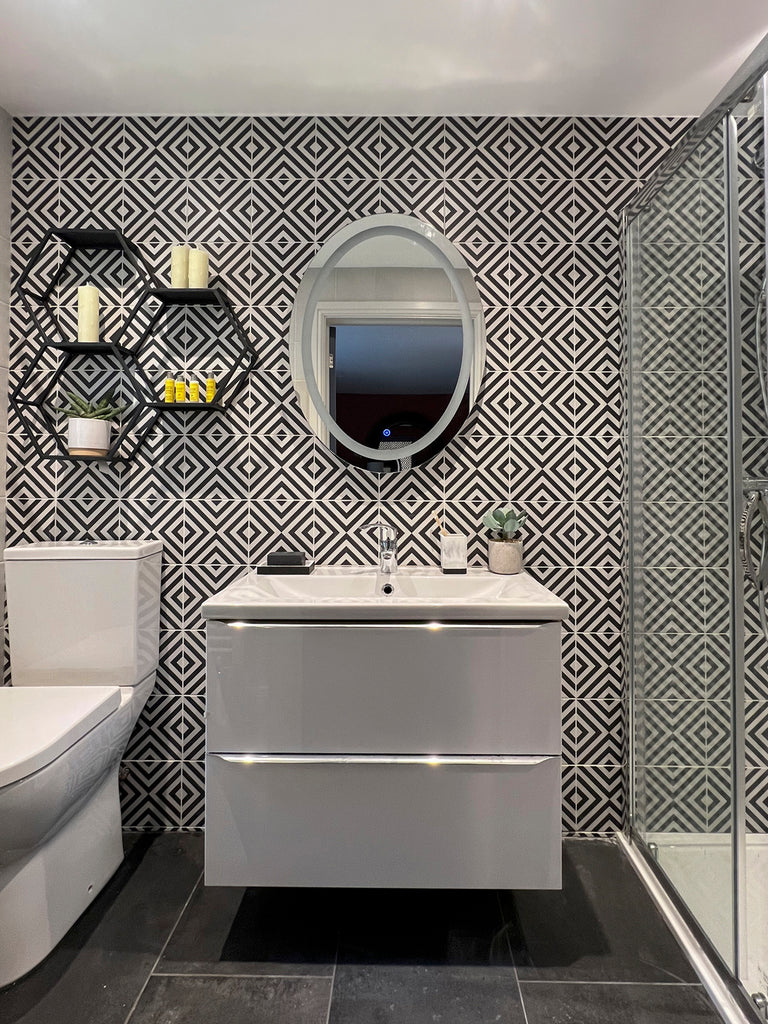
(383, 822)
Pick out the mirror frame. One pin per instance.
(329, 256)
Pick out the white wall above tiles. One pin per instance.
(585, 57)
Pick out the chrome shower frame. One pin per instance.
(722, 987)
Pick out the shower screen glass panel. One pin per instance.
(680, 520)
(748, 131)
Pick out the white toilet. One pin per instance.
(84, 627)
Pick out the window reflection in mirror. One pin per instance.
(389, 384)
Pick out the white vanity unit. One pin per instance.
(357, 738)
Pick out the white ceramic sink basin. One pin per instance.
(343, 593)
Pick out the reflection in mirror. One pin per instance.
(379, 332)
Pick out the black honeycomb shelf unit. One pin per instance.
(145, 411)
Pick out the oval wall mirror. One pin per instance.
(387, 343)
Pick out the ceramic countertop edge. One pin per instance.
(252, 599)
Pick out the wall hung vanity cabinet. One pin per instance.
(410, 752)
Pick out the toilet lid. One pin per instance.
(37, 723)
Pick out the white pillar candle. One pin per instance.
(198, 268)
(180, 266)
(88, 313)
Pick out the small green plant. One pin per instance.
(505, 523)
(105, 409)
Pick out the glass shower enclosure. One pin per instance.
(698, 455)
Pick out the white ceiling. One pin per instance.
(600, 57)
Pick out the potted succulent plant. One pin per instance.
(505, 540)
(90, 423)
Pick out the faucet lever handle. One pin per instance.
(386, 532)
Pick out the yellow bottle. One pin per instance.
(170, 388)
(210, 388)
(181, 391)
(194, 391)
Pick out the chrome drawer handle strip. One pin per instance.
(431, 760)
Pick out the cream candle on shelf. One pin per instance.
(198, 268)
(180, 266)
(87, 313)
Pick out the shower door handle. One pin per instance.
(757, 501)
(745, 528)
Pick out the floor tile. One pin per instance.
(602, 925)
(254, 931)
(563, 1003)
(415, 926)
(195, 1000)
(98, 969)
(423, 995)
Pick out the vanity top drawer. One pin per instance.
(411, 688)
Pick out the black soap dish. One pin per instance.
(286, 563)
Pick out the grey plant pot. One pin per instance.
(505, 557)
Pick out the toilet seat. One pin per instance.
(38, 723)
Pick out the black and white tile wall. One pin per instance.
(681, 593)
(533, 206)
(751, 225)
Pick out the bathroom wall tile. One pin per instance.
(170, 669)
(757, 800)
(601, 795)
(416, 197)
(338, 202)
(340, 535)
(219, 147)
(671, 666)
(548, 532)
(597, 204)
(159, 733)
(476, 147)
(676, 800)
(477, 210)
(216, 531)
(193, 728)
(570, 732)
(35, 147)
(600, 736)
(193, 795)
(600, 533)
(569, 799)
(77, 520)
(193, 662)
(600, 666)
(600, 599)
(150, 795)
(541, 147)
(261, 192)
(283, 147)
(412, 147)
(28, 521)
(199, 583)
(599, 468)
(347, 148)
(541, 339)
(155, 147)
(568, 660)
(276, 525)
(542, 402)
(605, 147)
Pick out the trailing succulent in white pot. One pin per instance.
(505, 540)
(90, 423)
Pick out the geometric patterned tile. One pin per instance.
(532, 204)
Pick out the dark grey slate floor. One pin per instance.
(158, 947)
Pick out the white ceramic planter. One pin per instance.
(88, 437)
(505, 556)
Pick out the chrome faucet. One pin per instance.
(387, 546)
